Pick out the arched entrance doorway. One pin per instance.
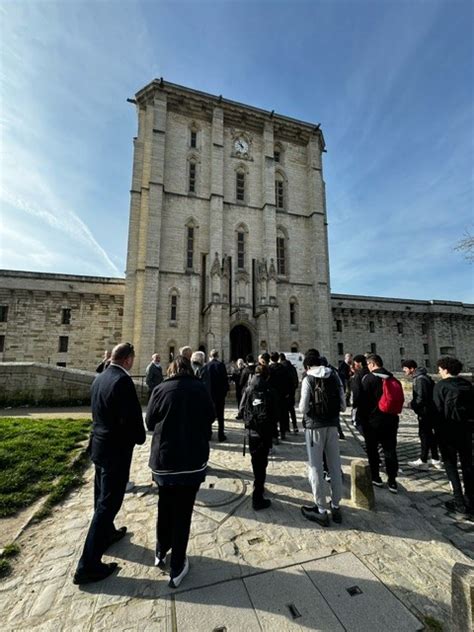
(240, 342)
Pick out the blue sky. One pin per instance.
(391, 82)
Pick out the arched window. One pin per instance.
(240, 185)
(190, 237)
(294, 347)
(171, 350)
(293, 312)
(281, 252)
(279, 191)
(278, 153)
(241, 246)
(173, 306)
(192, 176)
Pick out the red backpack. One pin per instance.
(392, 398)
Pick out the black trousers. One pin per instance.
(219, 405)
(385, 435)
(428, 439)
(291, 408)
(175, 510)
(460, 445)
(283, 415)
(259, 449)
(109, 490)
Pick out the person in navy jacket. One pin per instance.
(117, 427)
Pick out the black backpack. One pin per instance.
(325, 399)
(256, 411)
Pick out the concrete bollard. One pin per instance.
(462, 597)
(362, 491)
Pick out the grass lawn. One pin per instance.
(35, 459)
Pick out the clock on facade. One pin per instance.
(241, 146)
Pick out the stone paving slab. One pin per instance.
(404, 549)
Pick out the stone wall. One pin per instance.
(400, 329)
(59, 318)
(35, 384)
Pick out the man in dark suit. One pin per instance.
(117, 427)
(215, 376)
(153, 374)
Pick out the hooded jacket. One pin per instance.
(324, 373)
(372, 389)
(180, 413)
(422, 402)
(454, 400)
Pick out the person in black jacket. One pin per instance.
(359, 364)
(454, 399)
(248, 371)
(117, 427)
(258, 410)
(153, 373)
(215, 375)
(293, 385)
(423, 406)
(379, 427)
(180, 414)
(279, 380)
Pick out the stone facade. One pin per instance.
(58, 319)
(227, 248)
(400, 329)
(227, 211)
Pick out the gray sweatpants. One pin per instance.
(324, 440)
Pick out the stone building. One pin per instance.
(228, 233)
(60, 319)
(227, 248)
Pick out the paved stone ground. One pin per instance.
(407, 544)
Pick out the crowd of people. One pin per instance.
(183, 406)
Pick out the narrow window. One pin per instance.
(193, 139)
(240, 186)
(371, 326)
(427, 363)
(424, 329)
(400, 328)
(340, 348)
(426, 349)
(402, 351)
(338, 325)
(294, 349)
(171, 353)
(63, 344)
(276, 155)
(190, 248)
(373, 347)
(281, 256)
(192, 177)
(292, 313)
(240, 250)
(3, 313)
(174, 307)
(279, 194)
(66, 316)
(2, 344)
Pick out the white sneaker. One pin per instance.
(129, 486)
(160, 561)
(421, 465)
(436, 464)
(176, 581)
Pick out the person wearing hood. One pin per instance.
(380, 428)
(423, 406)
(279, 381)
(322, 399)
(454, 399)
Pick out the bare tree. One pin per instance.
(466, 246)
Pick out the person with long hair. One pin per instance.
(180, 414)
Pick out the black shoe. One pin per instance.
(261, 503)
(222, 438)
(320, 518)
(283, 436)
(326, 476)
(88, 577)
(392, 487)
(309, 507)
(456, 508)
(336, 515)
(296, 429)
(117, 535)
(342, 436)
(377, 482)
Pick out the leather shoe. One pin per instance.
(88, 577)
(117, 535)
(222, 438)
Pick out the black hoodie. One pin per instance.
(454, 399)
(422, 403)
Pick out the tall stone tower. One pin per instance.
(227, 243)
